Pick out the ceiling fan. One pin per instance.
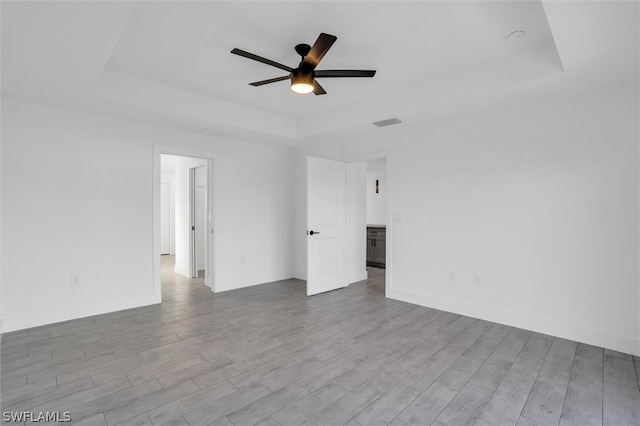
(303, 78)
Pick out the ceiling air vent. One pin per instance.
(387, 122)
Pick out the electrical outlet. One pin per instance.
(74, 280)
(477, 280)
(452, 276)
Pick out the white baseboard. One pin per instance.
(185, 272)
(251, 280)
(58, 315)
(300, 274)
(626, 344)
(358, 276)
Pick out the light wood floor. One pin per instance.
(270, 355)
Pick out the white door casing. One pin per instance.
(326, 225)
(200, 216)
(165, 218)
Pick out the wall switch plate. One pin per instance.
(74, 280)
(452, 276)
(477, 280)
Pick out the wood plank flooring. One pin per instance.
(269, 355)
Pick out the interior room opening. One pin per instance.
(376, 257)
(183, 219)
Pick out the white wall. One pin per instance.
(377, 202)
(86, 180)
(254, 212)
(167, 175)
(300, 217)
(539, 200)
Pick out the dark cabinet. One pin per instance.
(376, 246)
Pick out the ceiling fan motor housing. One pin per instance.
(303, 49)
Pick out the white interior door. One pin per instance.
(326, 223)
(197, 219)
(209, 245)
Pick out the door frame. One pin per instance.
(210, 246)
(170, 216)
(193, 269)
(383, 155)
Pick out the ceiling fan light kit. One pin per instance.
(302, 82)
(303, 78)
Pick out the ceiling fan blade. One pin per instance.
(345, 73)
(261, 59)
(271, 80)
(319, 49)
(317, 89)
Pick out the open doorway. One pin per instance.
(360, 185)
(186, 221)
(376, 219)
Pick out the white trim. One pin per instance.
(370, 156)
(74, 312)
(158, 150)
(182, 271)
(210, 245)
(1, 329)
(155, 222)
(389, 230)
(193, 269)
(626, 344)
(252, 280)
(363, 275)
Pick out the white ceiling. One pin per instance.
(169, 62)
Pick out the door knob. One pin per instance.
(313, 232)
